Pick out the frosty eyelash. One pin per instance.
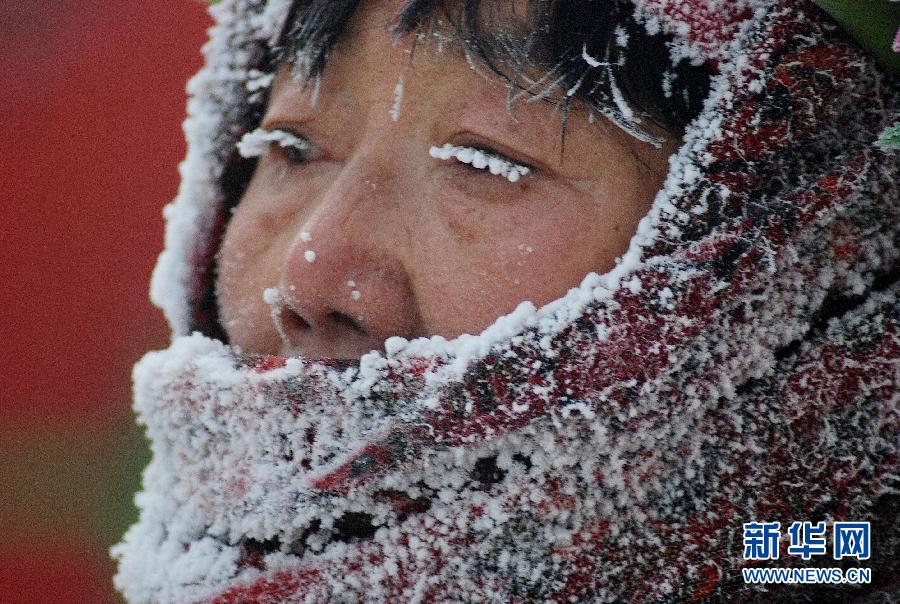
(257, 143)
(496, 164)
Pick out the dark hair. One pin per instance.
(590, 50)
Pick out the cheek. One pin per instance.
(533, 251)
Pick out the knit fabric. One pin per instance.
(740, 363)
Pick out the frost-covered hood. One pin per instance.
(740, 363)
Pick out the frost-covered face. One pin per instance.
(401, 198)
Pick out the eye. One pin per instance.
(492, 161)
(296, 149)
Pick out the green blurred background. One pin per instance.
(92, 104)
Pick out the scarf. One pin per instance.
(740, 363)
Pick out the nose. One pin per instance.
(344, 287)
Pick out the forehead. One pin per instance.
(369, 54)
(435, 82)
(369, 44)
(512, 33)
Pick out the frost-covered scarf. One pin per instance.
(740, 363)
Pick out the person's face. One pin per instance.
(369, 236)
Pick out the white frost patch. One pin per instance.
(589, 59)
(477, 158)
(259, 80)
(270, 21)
(316, 90)
(271, 296)
(257, 142)
(668, 80)
(394, 345)
(310, 256)
(622, 105)
(721, 22)
(398, 99)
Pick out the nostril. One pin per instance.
(290, 323)
(341, 320)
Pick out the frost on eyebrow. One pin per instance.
(481, 160)
(256, 143)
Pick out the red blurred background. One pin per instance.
(92, 101)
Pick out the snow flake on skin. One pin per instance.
(398, 99)
(272, 296)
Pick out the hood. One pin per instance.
(740, 363)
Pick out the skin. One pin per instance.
(434, 247)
